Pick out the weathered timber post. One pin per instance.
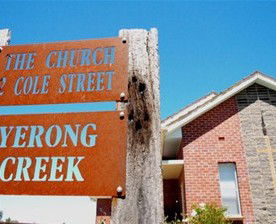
(144, 189)
(5, 36)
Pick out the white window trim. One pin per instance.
(237, 191)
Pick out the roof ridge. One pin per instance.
(174, 117)
(190, 104)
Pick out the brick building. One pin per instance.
(222, 149)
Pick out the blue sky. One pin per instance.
(48, 210)
(203, 46)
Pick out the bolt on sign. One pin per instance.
(67, 153)
(66, 72)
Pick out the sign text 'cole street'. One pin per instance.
(93, 70)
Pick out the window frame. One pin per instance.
(237, 189)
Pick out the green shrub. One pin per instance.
(207, 214)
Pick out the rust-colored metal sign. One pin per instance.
(65, 72)
(65, 154)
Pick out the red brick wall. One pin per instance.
(103, 211)
(212, 138)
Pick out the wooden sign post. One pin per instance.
(144, 189)
(5, 36)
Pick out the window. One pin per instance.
(229, 188)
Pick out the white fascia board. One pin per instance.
(171, 119)
(266, 81)
(172, 162)
(219, 99)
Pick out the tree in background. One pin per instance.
(9, 220)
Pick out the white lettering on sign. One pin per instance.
(92, 81)
(23, 61)
(83, 57)
(29, 85)
(63, 58)
(34, 84)
(53, 136)
(79, 82)
(37, 136)
(54, 164)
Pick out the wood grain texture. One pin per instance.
(5, 37)
(144, 191)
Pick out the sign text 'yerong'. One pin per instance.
(49, 157)
(34, 136)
